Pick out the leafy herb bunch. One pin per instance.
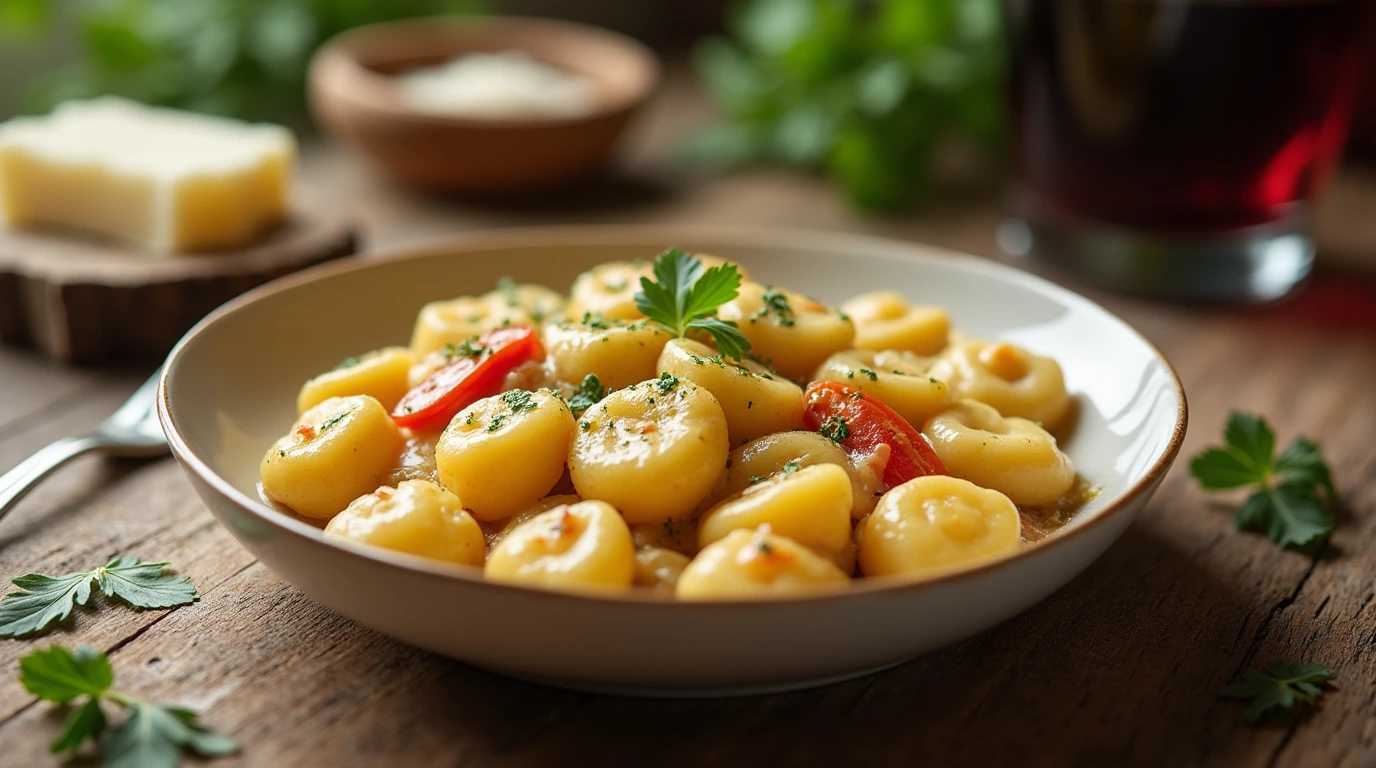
(245, 58)
(865, 90)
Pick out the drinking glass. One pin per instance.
(1174, 147)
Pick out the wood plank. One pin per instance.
(86, 300)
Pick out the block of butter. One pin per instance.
(168, 180)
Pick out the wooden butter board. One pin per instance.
(84, 300)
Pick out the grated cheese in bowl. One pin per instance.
(496, 86)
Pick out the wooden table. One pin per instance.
(1121, 666)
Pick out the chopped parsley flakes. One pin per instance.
(835, 429)
(333, 420)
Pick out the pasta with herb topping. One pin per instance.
(673, 427)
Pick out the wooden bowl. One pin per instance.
(353, 95)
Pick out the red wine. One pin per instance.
(1174, 115)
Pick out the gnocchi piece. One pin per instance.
(897, 379)
(503, 453)
(1010, 455)
(416, 517)
(810, 506)
(885, 320)
(659, 568)
(620, 353)
(337, 451)
(756, 402)
(498, 530)
(577, 546)
(456, 320)
(936, 524)
(450, 322)
(381, 374)
(786, 452)
(524, 302)
(795, 333)
(1013, 380)
(654, 450)
(608, 290)
(757, 564)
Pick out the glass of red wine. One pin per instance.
(1174, 147)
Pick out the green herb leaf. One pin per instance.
(145, 585)
(729, 339)
(152, 736)
(84, 722)
(1291, 502)
(58, 675)
(1291, 515)
(683, 297)
(1303, 462)
(869, 92)
(42, 601)
(590, 392)
(1284, 683)
(45, 600)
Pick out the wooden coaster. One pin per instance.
(83, 300)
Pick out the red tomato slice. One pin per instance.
(860, 424)
(465, 380)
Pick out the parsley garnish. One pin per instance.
(348, 362)
(507, 287)
(595, 322)
(333, 420)
(776, 302)
(683, 297)
(788, 468)
(835, 429)
(45, 600)
(1294, 492)
(466, 348)
(518, 400)
(152, 736)
(665, 383)
(867, 372)
(1284, 683)
(589, 393)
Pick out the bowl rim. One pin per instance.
(597, 234)
(337, 59)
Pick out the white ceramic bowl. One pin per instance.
(229, 389)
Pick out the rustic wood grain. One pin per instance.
(86, 300)
(1119, 668)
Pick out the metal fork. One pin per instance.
(132, 430)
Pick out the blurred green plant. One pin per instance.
(865, 90)
(245, 58)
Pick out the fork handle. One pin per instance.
(17, 482)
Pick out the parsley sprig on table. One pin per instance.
(45, 600)
(151, 736)
(1284, 683)
(683, 297)
(1294, 492)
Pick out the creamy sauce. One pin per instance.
(1040, 522)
